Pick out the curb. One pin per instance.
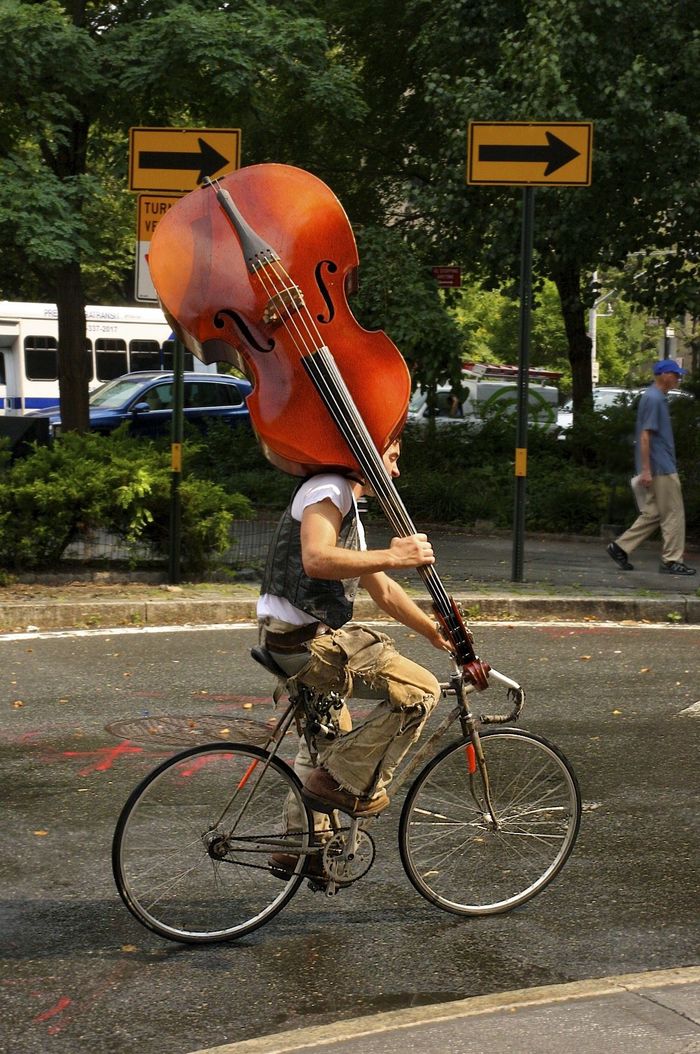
(339, 1031)
(103, 614)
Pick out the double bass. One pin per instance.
(255, 270)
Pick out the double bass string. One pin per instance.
(321, 366)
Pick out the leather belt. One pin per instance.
(291, 640)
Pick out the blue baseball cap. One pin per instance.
(667, 366)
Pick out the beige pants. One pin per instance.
(664, 509)
(357, 661)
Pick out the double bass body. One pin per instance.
(224, 311)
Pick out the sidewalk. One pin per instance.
(657, 1013)
(564, 578)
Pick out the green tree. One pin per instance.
(452, 61)
(81, 72)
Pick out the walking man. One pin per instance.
(655, 456)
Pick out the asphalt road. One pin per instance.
(79, 974)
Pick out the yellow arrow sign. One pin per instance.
(180, 159)
(529, 153)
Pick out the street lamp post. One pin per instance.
(593, 316)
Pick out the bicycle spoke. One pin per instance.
(454, 853)
(186, 874)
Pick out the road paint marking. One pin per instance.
(57, 1008)
(106, 756)
(209, 627)
(691, 711)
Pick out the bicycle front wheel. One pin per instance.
(192, 846)
(454, 853)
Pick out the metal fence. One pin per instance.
(250, 540)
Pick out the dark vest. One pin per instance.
(324, 599)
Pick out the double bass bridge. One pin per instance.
(282, 305)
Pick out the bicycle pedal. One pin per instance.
(319, 885)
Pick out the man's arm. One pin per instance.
(391, 598)
(645, 457)
(322, 558)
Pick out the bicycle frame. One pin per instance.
(299, 708)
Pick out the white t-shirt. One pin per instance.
(312, 491)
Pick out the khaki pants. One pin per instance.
(357, 661)
(663, 508)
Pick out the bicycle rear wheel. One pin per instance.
(191, 848)
(450, 849)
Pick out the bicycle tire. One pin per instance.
(450, 850)
(172, 865)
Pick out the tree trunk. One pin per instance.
(73, 378)
(568, 283)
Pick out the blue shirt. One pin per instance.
(653, 416)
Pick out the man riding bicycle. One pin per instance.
(317, 558)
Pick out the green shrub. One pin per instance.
(233, 459)
(452, 475)
(112, 483)
(565, 499)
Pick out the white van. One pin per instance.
(481, 397)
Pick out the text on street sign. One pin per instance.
(447, 277)
(151, 210)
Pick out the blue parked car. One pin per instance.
(145, 400)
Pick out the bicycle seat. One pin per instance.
(263, 656)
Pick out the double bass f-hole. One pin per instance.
(323, 290)
(220, 323)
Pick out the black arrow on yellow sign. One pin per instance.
(556, 153)
(206, 159)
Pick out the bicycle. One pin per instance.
(486, 825)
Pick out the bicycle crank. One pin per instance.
(348, 855)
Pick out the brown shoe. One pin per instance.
(283, 866)
(323, 794)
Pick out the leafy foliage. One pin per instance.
(111, 483)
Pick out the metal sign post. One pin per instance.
(528, 154)
(172, 162)
(526, 241)
(177, 429)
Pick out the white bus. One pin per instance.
(119, 339)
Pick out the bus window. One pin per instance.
(168, 356)
(3, 375)
(41, 358)
(111, 358)
(90, 363)
(144, 355)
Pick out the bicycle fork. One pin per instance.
(476, 760)
(474, 755)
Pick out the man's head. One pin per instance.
(667, 374)
(390, 457)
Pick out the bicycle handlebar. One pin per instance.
(515, 692)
